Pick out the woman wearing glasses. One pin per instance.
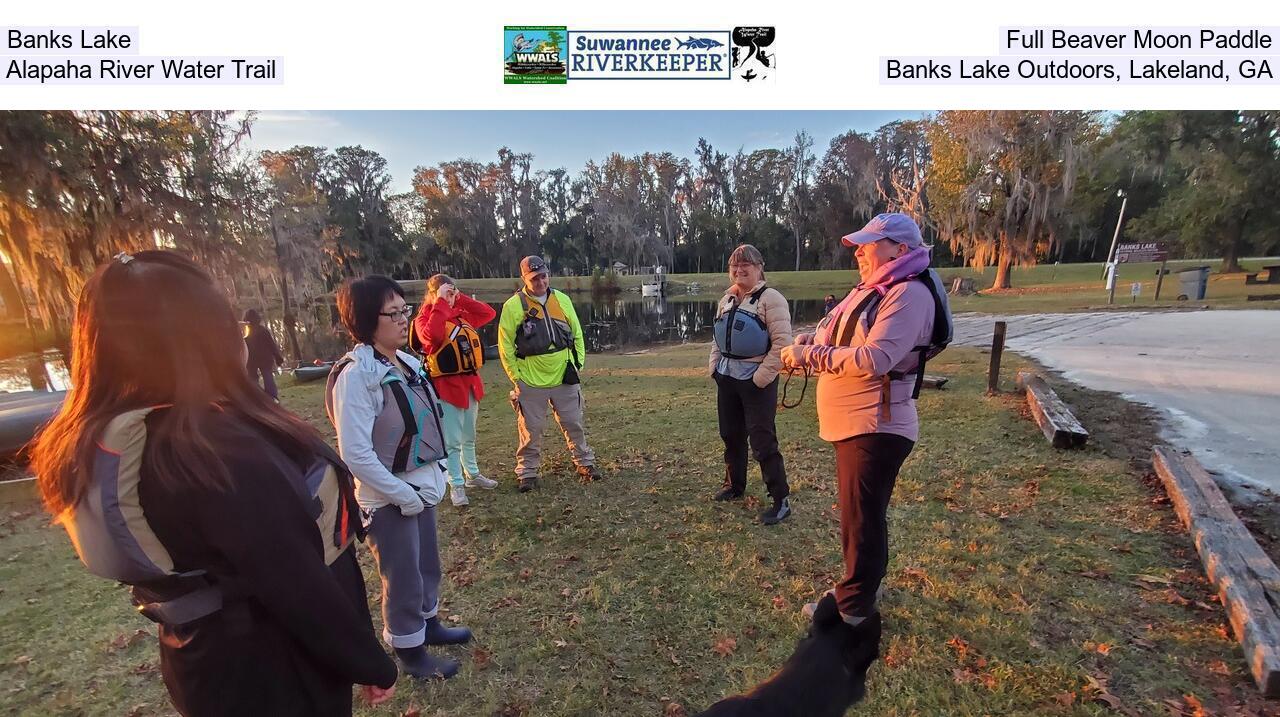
(753, 323)
(388, 420)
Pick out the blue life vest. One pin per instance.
(740, 332)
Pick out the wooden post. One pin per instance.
(1160, 279)
(997, 349)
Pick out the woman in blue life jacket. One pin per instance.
(752, 325)
(389, 434)
(174, 473)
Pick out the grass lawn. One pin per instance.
(1069, 287)
(1023, 580)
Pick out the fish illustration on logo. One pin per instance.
(698, 43)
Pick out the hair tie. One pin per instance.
(124, 257)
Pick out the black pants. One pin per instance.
(867, 467)
(747, 412)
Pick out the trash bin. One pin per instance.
(1192, 283)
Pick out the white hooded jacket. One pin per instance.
(357, 401)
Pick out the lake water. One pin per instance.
(626, 322)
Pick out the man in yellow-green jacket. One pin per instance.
(542, 349)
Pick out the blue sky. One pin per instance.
(555, 138)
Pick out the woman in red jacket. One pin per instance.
(446, 329)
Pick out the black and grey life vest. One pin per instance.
(407, 433)
(543, 329)
(740, 333)
(113, 539)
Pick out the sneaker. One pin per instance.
(417, 662)
(479, 481)
(589, 474)
(812, 607)
(458, 495)
(527, 483)
(727, 493)
(776, 514)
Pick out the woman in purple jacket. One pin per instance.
(865, 353)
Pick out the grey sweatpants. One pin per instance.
(531, 418)
(408, 558)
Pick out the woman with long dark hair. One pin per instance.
(173, 472)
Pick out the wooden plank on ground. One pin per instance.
(934, 381)
(22, 490)
(1054, 417)
(1248, 582)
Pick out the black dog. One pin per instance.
(824, 676)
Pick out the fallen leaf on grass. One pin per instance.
(121, 641)
(779, 602)
(1066, 699)
(960, 646)
(481, 658)
(559, 643)
(725, 646)
(1096, 574)
(22, 660)
(674, 709)
(411, 712)
(1218, 667)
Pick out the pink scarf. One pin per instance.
(904, 267)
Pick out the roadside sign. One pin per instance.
(1139, 253)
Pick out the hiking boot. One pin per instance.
(727, 493)
(777, 513)
(458, 495)
(438, 634)
(479, 481)
(589, 474)
(417, 662)
(810, 608)
(527, 483)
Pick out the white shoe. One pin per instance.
(479, 481)
(458, 495)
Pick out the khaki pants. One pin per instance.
(531, 418)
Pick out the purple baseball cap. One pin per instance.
(896, 226)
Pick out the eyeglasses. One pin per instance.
(401, 315)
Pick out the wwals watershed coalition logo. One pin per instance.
(553, 54)
(534, 55)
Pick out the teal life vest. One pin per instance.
(740, 333)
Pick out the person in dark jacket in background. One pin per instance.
(264, 352)
(220, 483)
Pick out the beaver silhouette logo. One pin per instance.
(753, 57)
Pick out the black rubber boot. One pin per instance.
(417, 662)
(438, 634)
(727, 493)
(528, 483)
(776, 514)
